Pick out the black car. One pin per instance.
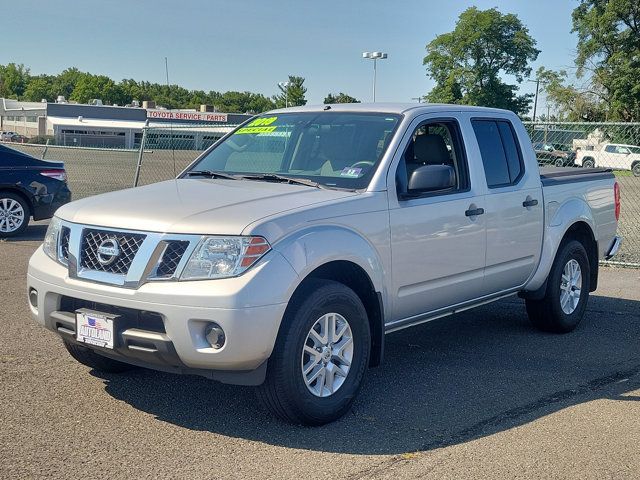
(28, 188)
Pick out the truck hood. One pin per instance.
(196, 206)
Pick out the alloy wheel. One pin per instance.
(570, 286)
(327, 355)
(11, 215)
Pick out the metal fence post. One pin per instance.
(139, 164)
(46, 147)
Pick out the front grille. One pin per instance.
(130, 317)
(65, 233)
(171, 258)
(127, 243)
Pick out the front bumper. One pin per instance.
(249, 308)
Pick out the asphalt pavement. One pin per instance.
(477, 395)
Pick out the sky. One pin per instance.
(252, 45)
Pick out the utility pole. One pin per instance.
(535, 101)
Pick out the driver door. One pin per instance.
(437, 247)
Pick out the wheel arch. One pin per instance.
(582, 232)
(573, 217)
(356, 278)
(579, 230)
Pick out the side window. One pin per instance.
(434, 143)
(501, 156)
(610, 149)
(511, 150)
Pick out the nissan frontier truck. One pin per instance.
(283, 255)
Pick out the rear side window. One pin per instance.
(501, 156)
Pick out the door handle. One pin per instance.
(530, 203)
(474, 212)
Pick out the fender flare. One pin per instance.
(560, 221)
(314, 246)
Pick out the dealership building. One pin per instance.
(98, 125)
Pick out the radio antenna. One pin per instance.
(173, 152)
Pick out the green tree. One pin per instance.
(468, 62)
(38, 88)
(13, 80)
(97, 86)
(66, 81)
(339, 98)
(609, 48)
(570, 102)
(293, 94)
(243, 102)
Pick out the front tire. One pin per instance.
(91, 359)
(320, 356)
(14, 214)
(565, 300)
(559, 162)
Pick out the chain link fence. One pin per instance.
(588, 145)
(168, 150)
(90, 171)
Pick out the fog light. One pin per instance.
(33, 297)
(215, 335)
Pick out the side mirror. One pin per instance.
(431, 178)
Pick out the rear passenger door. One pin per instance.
(514, 207)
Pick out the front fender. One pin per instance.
(315, 246)
(559, 219)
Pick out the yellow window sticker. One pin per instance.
(259, 125)
(256, 130)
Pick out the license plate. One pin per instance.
(94, 328)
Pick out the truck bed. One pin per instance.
(557, 176)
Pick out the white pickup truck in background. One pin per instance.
(610, 155)
(283, 255)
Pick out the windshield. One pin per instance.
(334, 149)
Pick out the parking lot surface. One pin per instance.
(477, 395)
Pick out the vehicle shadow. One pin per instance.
(442, 383)
(35, 231)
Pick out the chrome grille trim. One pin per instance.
(129, 244)
(171, 257)
(142, 261)
(63, 247)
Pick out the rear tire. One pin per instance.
(288, 390)
(88, 357)
(635, 169)
(588, 163)
(14, 214)
(565, 300)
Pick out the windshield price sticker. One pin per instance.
(259, 125)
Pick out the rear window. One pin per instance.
(500, 153)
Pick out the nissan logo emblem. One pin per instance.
(108, 251)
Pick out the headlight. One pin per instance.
(50, 245)
(222, 257)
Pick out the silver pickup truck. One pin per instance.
(284, 254)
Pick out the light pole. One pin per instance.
(285, 86)
(375, 56)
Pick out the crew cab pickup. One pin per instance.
(284, 254)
